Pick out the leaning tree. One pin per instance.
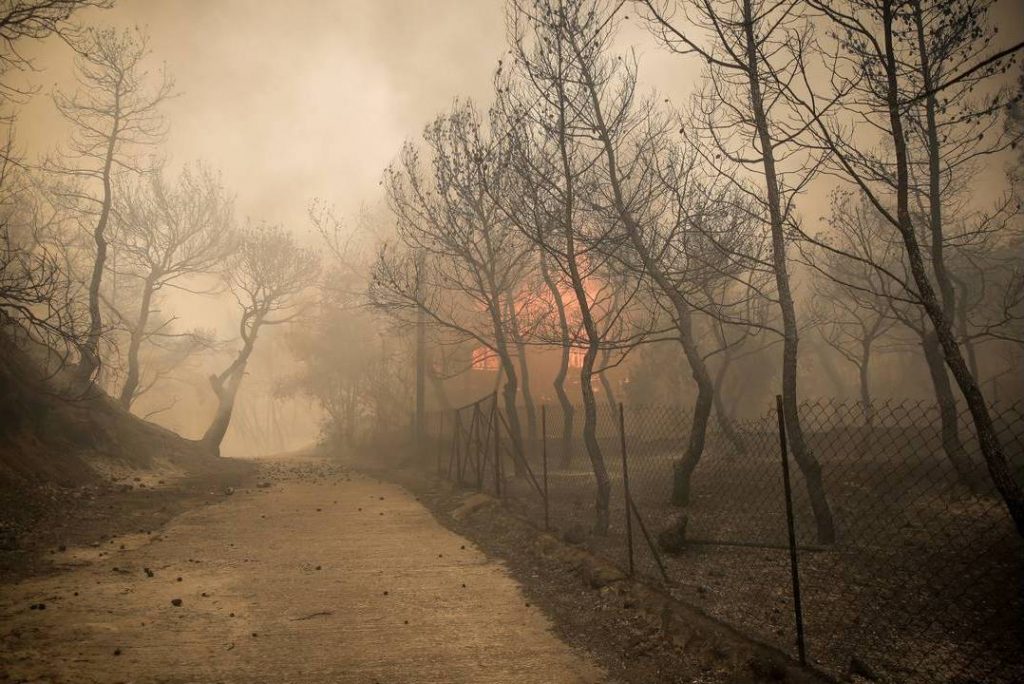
(269, 275)
(925, 77)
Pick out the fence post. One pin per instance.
(625, 488)
(793, 565)
(457, 432)
(481, 457)
(439, 442)
(497, 450)
(544, 458)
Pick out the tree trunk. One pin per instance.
(131, 381)
(568, 411)
(510, 392)
(524, 373)
(214, 434)
(805, 459)
(725, 422)
(949, 420)
(590, 440)
(701, 408)
(90, 359)
(606, 385)
(225, 386)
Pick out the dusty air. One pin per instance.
(511, 341)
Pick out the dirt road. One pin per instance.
(321, 577)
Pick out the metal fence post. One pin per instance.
(497, 450)
(439, 442)
(793, 565)
(544, 459)
(625, 488)
(458, 446)
(481, 455)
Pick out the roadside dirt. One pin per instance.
(38, 521)
(638, 635)
(313, 575)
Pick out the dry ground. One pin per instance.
(319, 577)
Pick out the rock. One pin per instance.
(262, 485)
(575, 534)
(471, 505)
(767, 669)
(673, 538)
(600, 574)
(859, 668)
(229, 491)
(176, 602)
(149, 573)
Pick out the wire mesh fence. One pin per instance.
(922, 582)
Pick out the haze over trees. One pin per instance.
(724, 294)
(805, 219)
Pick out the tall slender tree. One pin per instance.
(115, 116)
(752, 50)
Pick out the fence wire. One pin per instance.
(923, 582)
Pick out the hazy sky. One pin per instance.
(305, 98)
(299, 99)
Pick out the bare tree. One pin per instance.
(268, 276)
(34, 20)
(752, 51)
(850, 300)
(889, 59)
(167, 234)
(114, 115)
(37, 295)
(460, 263)
(545, 108)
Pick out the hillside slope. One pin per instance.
(58, 451)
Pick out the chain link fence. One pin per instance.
(924, 581)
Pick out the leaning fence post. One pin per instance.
(544, 458)
(793, 565)
(625, 488)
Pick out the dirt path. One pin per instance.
(324, 578)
